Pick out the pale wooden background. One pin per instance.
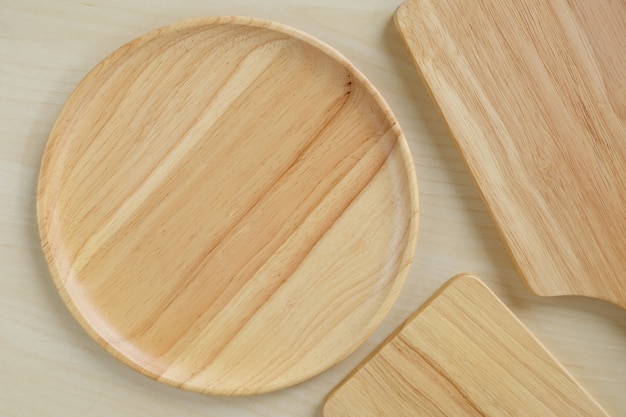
(50, 367)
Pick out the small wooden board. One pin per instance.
(534, 94)
(461, 354)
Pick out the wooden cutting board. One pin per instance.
(534, 93)
(227, 205)
(463, 353)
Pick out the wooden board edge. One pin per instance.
(468, 279)
(460, 277)
(400, 17)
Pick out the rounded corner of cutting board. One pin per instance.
(420, 366)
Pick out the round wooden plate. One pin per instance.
(227, 205)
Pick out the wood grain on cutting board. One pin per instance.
(534, 95)
(462, 354)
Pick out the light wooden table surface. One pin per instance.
(50, 367)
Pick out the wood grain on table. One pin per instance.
(50, 367)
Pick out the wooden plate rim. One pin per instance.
(332, 53)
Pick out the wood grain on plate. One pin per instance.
(534, 94)
(461, 354)
(227, 205)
